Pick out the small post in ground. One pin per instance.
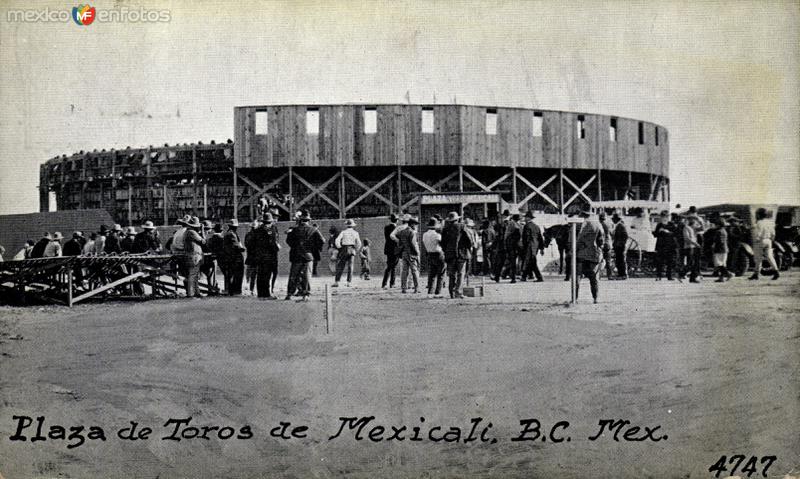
(328, 310)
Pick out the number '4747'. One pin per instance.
(750, 467)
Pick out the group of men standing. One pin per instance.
(514, 244)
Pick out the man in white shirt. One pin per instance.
(763, 235)
(348, 243)
(431, 241)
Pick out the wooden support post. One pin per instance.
(328, 310)
(460, 178)
(114, 185)
(599, 184)
(399, 190)
(342, 192)
(561, 190)
(194, 181)
(205, 200)
(149, 192)
(165, 206)
(514, 185)
(235, 194)
(291, 194)
(130, 204)
(573, 227)
(69, 287)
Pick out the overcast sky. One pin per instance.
(722, 77)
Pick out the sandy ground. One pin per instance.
(716, 366)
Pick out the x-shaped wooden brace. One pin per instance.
(317, 191)
(262, 191)
(536, 190)
(480, 185)
(432, 189)
(579, 190)
(369, 191)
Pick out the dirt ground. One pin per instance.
(716, 366)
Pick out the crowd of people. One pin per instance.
(454, 248)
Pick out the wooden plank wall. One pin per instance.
(459, 138)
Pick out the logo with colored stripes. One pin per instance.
(83, 14)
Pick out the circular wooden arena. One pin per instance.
(368, 160)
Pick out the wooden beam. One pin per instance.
(259, 190)
(476, 181)
(537, 190)
(579, 190)
(342, 193)
(235, 193)
(108, 286)
(420, 183)
(514, 186)
(369, 191)
(318, 191)
(561, 190)
(498, 181)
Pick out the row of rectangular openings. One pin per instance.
(371, 124)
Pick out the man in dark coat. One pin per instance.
(73, 247)
(456, 245)
(301, 240)
(127, 243)
(499, 244)
(263, 253)
(39, 247)
(146, 241)
(532, 243)
(233, 258)
(620, 241)
(390, 250)
(512, 241)
(113, 241)
(666, 246)
(589, 253)
(409, 253)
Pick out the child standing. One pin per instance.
(366, 259)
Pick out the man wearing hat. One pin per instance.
(175, 243)
(41, 245)
(512, 243)
(53, 249)
(666, 246)
(409, 254)
(432, 241)
(456, 246)
(390, 251)
(349, 244)
(469, 228)
(719, 250)
(232, 249)
(128, 241)
(250, 268)
(193, 256)
(301, 239)
(620, 242)
(73, 246)
(147, 241)
(499, 245)
(589, 253)
(208, 267)
(112, 246)
(532, 243)
(100, 241)
(262, 251)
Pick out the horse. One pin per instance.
(561, 234)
